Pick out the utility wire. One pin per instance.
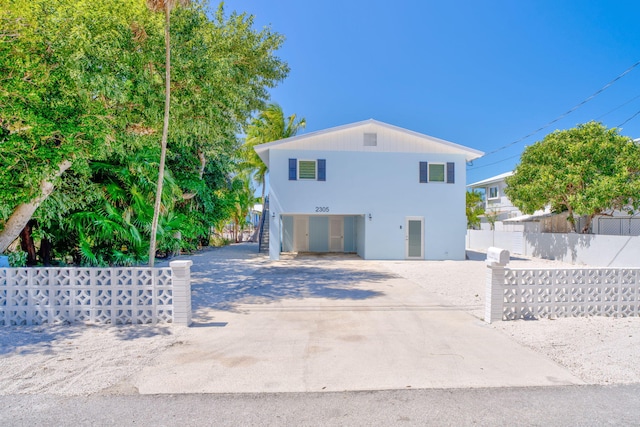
(597, 118)
(628, 120)
(562, 116)
(620, 125)
(494, 163)
(618, 107)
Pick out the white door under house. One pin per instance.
(414, 237)
(336, 234)
(301, 233)
(319, 233)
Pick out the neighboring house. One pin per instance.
(509, 217)
(369, 188)
(495, 200)
(254, 215)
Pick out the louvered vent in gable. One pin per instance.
(370, 139)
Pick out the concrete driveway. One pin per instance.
(333, 324)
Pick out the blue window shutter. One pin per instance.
(322, 170)
(423, 172)
(451, 173)
(293, 169)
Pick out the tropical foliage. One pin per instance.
(270, 125)
(241, 201)
(588, 170)
(82, 113)
(475, 208)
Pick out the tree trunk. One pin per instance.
(45, 251)
(27, 244)
(165, 136)
(587, 225)
(571, 219)
(203, 162)
(23, 213)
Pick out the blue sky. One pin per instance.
(478, 73)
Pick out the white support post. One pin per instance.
(181, 284)
(274, 236)
(494, 297)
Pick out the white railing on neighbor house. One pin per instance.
(532, 293)
(137, 295)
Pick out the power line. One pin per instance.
(618, 107)
(597, 118)
(628, 120)
(494, 163)
(563, 115)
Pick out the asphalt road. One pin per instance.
(535, 406)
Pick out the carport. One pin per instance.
(322, 233)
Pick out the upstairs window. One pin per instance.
(493, 193)
(306, 169)
(437, 172)
(309, 170)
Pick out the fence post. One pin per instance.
(181, 284)
(497, 259)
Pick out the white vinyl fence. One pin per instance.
(533, 293)
(34, 296)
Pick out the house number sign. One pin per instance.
(322, 208)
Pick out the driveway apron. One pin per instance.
(332, 324)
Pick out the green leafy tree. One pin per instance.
(58, 62)
(492, 218)
(475, 208)
(588, 170)
(82, 82)
(242, 200)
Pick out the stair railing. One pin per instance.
(265, 214)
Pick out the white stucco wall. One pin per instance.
(383, 184)
(579, 249)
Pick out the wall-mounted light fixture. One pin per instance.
(273, 214)
(370, 217)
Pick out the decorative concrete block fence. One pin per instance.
(34, 296)
(532, 293)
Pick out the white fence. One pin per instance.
(532, 293)
(33, 296)
(618, 226)
(587, 249)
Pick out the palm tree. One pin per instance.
(270, 125)
(166, 6)
(242, 194)
(113, 231)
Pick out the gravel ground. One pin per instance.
(599, 350)
(87, 359)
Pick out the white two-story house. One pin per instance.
(496, 201)
(369, 188)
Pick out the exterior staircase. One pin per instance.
(263, 238)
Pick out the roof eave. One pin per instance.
(494, 179)
(263, 149)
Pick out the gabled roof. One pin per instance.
(492, 180)
(389, 139)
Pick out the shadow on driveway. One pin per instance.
(224, 278)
